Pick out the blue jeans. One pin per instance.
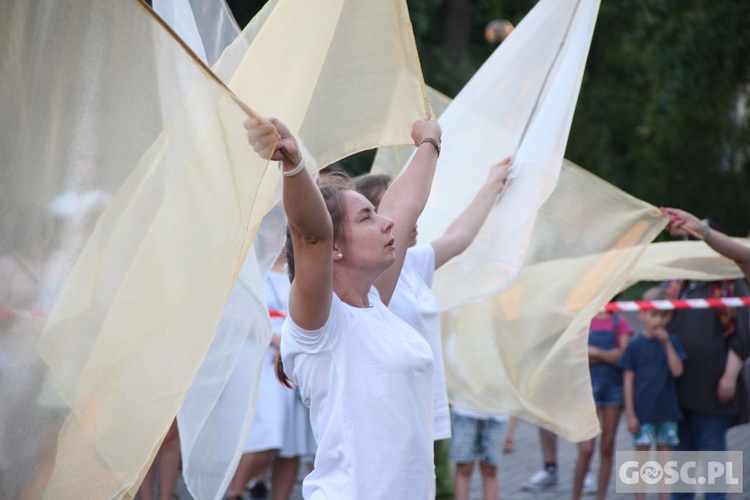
(476, 439)
(702, 432)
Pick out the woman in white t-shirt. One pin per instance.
(365, 374)
(413, 300)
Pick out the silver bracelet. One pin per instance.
(706, 229)
(291, 173)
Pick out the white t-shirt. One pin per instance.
(414, 302)
(367, 378)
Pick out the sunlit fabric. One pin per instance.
(524, 351)
(390, 160)
(218, 408)
(520, 103)
(329, 55)
(344, 75)
(692, 260)
(206, 26)
(123, 228)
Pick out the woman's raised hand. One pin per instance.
(498, 175)
(424, 128)
(682, 223)
(272, 140)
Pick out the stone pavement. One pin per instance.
(517, 467)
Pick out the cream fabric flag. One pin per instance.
(218, 408)
(121, 236)
(519, 103)
(350, 80)
(693, 260)
(524, 351)
(390, 160)
(206, 26)
(344, 75)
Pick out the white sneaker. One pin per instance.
(590, 486)
(540, 481)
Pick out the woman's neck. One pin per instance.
(352, 288)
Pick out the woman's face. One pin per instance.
(369, 242)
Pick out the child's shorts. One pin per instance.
(608, 391)
(664, 433)
(474, 439)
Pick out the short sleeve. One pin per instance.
(623, 327)
(421, 259)
(627, 360)
(311, 341)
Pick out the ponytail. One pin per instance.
(279, 367)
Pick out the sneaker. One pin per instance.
(590, 486)
(258, 491)
(540, 481)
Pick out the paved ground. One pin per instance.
(516, 468)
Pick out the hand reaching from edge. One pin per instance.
(682, 223)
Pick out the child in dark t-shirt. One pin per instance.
(651, 362)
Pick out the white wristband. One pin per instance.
(294, 171)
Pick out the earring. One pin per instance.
(340, 255)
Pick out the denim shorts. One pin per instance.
(608, 391)
(664, 433)
(474, 439)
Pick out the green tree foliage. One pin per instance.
(664, 110)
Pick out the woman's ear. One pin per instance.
(337, 254)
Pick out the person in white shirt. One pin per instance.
(414, 302)
(365, 374)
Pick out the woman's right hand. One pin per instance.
(499, 173)
(682, 223)
(272, 140)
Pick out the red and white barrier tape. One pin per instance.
(665, 305)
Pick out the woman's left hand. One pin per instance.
(426, 127)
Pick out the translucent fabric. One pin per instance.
(693, 260)
(206, 26)
(321, 89)
(390, 160)
(519, 301)
(523, 351)
(520, 104)
(124, 224)
(344, 75)
(218, 408)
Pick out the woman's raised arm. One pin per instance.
(405, 199)
(683, 223)
(466, 226)
(310, 224)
